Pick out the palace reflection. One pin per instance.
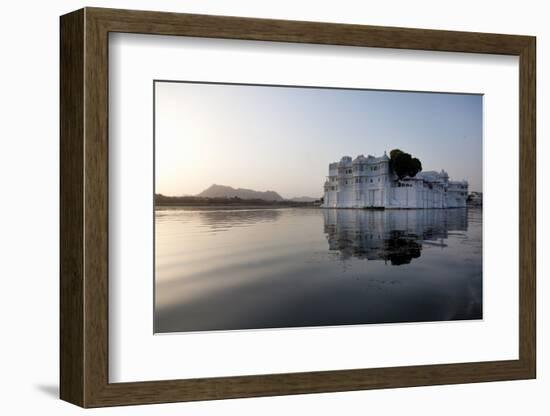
(395, 236)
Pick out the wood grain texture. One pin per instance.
(84, 207)
(71, 208)
(162, 23)
(527, 207)
(96, 219)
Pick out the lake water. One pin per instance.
(299, 267)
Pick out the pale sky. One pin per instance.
(283, 138)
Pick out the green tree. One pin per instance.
(403, 164)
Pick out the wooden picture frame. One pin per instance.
(84, 207)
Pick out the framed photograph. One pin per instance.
(255, 207)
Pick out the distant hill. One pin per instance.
(221, 191)
(303, 199)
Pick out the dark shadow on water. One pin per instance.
(394, 236)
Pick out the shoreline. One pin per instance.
(252, 206)
(162, 207)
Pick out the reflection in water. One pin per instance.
(393, 236)
(224, 220)
(299, 267)
(221, 220)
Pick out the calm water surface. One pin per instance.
(299, 267)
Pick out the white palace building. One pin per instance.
(368, 182)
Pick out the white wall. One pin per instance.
(29, 213)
